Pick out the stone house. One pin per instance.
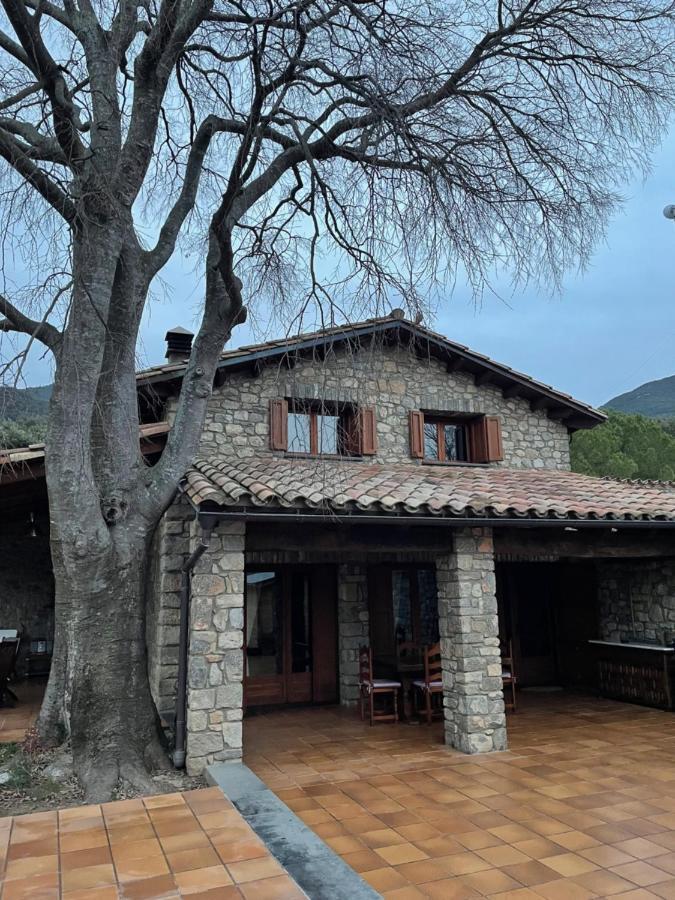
(378, 484)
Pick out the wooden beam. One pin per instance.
(559, 413)
(512, 391)
(539, 403)
(483, 377)
(583, 544)
(454, 364)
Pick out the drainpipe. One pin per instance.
(183, 639)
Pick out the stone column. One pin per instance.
(353, 627)
(216, 661)
(467, 608)
(170, 549)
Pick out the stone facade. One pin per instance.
(467, 606)
(392, 380)
(637, 599)
(216, 656)
(353, 627)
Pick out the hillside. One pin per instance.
(655, 399)
(24, 403)
(23, 415)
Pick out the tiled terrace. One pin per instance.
(16, 720)
(193, 845)
(583, 804)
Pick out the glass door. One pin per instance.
(280, 630)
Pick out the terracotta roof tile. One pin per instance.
(468, 491)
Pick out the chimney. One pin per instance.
(178, 344)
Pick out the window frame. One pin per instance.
(441, 422)
(313, 409)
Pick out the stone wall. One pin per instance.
(469, 629)
(353, 627)
(170, 550)
(26, 584)
(216, 661)
(637, 599)
(392, 380)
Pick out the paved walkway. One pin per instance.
(193, 845)
(583, 805)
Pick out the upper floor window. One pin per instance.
(445, 441)
(455, 438)
(322, 428)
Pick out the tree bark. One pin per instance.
(98, 691)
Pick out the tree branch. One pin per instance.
(16, 321)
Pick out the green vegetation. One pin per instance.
(626, 446)
(23, 415)
(21, 432)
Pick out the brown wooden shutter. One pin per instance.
(416, 434)
(485, 440)
(493, 439)
(367, 431)
(279, 424)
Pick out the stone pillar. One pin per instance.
(353, 627)
(467, 608)
(170, 549)
(216, 661)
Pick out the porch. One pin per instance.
(581, 805)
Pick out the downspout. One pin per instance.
(183, 639)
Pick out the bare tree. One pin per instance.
(319, 155)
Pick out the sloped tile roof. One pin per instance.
(423, 490)
(430, 342)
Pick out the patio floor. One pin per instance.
(16, 720)
(582, 805)
(193, 844)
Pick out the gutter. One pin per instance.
(215, 516)
(179, 751)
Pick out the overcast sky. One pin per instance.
(610, 330)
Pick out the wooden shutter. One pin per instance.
(367, 431)
(493, 439)
(416, 434)
(279, 424)
(485, 440)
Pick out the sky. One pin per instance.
(610, 329)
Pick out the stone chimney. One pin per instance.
(178, 344)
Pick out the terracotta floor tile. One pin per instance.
(88, 877)
(385, 837)
(83, 840)
(449, 889)
(23, 868)
(422, 870)
(440, 846)
(35, 887)
(564, 889)
(101, 893)
(398, 854)
(604, 883)
(279, 888)
(575, 840)
(150, 888)
(253, 869)
(202, 879)
(569, 864)
(491, 881)
(463, 863)
(503, 855)
(538, 847)
(640, 848)
(136, 850)
(238, 851)
(665, 889)
(385, 879)
(96, 856)
(607, 855)
(144, 868)
(531, 873)
(195, 858)
(641, 873)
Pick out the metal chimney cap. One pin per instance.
(178, 330)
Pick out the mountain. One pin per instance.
(24, 403)
(655, 399)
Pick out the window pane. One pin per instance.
(301, 649)
(455, 442)
(263, 624)
(430, 440)
(298, 433)
(426, 590)
(328, 433)
(400, 584)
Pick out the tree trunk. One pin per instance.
(98, 692)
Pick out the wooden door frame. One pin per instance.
(389, 568)
(285, 573)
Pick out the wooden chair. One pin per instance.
(433, 680)
(8, 652)
(369, 687)
(509, 679)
